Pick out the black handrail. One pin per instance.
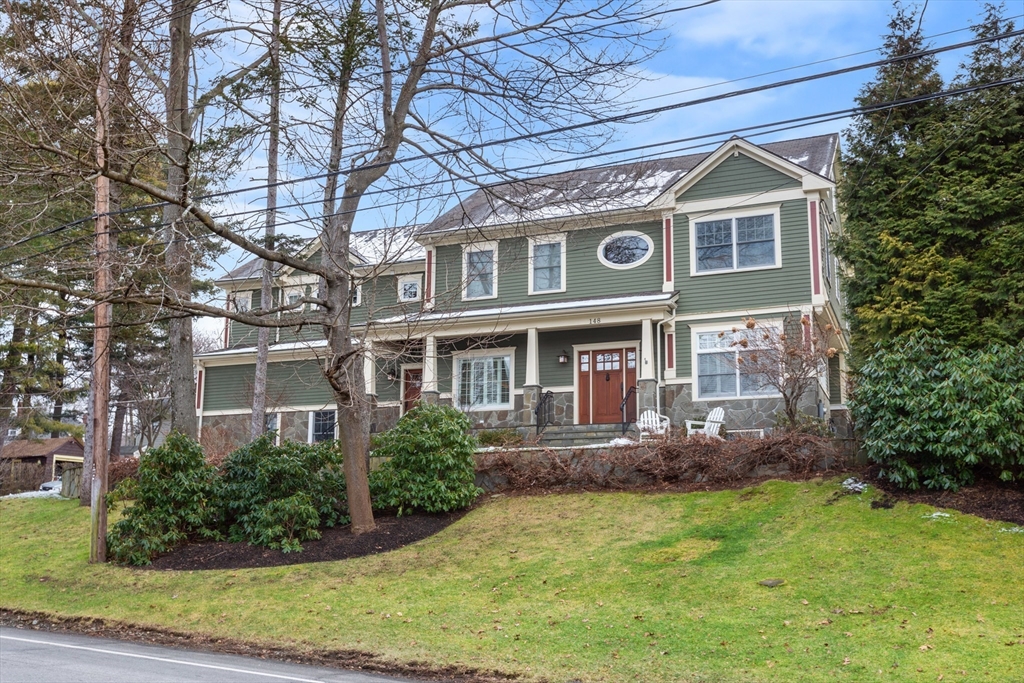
(623, 406)
(545, 410)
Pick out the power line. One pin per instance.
(568, 128)
(787, 124)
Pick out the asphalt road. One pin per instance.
(40, 657)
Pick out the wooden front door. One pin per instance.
(605, 377)
(412, 381)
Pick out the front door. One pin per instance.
(605, 376)
(412, 381)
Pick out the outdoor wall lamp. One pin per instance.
(563, 357)
(391, 376)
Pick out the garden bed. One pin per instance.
(337, 543)
(987, 497)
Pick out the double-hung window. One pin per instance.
(743, 242)
(547, 264)
(720, 372)
(322, 424)
(479, 271)
(484, 382)
(243, 301)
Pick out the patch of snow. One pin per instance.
(34, 494)
(855, 485)
(622, 441)
(1012, 530)
(388, 245)
(937, 515)
(799, 160)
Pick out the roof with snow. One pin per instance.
(608, 188)
(368, 247)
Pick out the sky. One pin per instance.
(738, 39)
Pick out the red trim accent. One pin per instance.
(430, 281)
(668, 250)
(670, 350)
(812, 207)
(199, 391)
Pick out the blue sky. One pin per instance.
(741, 38)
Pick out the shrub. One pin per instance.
(931, 413)
(431, 462)
(175, 500)
(279, 496)
(502, 438)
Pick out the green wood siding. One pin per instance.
(289, 383)
(550, 344)
(789, 285)
(446, 366)
(738, 175)
(585, 275)
(835, 381)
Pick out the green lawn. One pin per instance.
(599, 587)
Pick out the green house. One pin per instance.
(577, 300)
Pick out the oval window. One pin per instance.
(625, 249)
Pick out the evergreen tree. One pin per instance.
(935, 231)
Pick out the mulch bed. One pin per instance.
(987, 497)
(337, 544)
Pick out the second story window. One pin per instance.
(737, 243)
(243, 301)
(479, 271)
(547, 264)
(357, 294)
(409, 288)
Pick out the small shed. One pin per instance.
(27, 463)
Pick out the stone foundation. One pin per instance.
(741, 413)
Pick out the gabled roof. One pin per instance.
(38, 448)
(610, 188)
(367, 248)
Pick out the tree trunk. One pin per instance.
(177, 257)
(117, 433)
(85, 487)
(259, 398)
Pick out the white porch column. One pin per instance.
(369, 372)
(646, 350)
(430, 366)
(532, 359)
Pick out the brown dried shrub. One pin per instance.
(118, 471)
(663, 461)
(217, 445)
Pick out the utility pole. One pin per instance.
(102, 317)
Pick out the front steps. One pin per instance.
(583, 435)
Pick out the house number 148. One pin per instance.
(595, 321)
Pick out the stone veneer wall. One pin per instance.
(741, 413)
(494, 419)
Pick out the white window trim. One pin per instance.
(458, 356)
(625, 266)
(277, 432)
(773, 210)
(473, 248)
(401, 384)
(358, 290)
(694, 367)
(406, 279)
(309, 430)
(245, 296)
(546, 239)
(297, 292)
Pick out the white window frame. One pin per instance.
(695, 332)
(546, 239)
(357, 299)
(773, 210)
(298, 293)
(408, 279)
(474, 248)
(459, 356)
(309, 432)
(625, 266)
(277, 430)
(239, 296)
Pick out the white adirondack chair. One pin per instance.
(708, 427)
(651, 423)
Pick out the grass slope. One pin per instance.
(601, 587)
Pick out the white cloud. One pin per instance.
(773, 28)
